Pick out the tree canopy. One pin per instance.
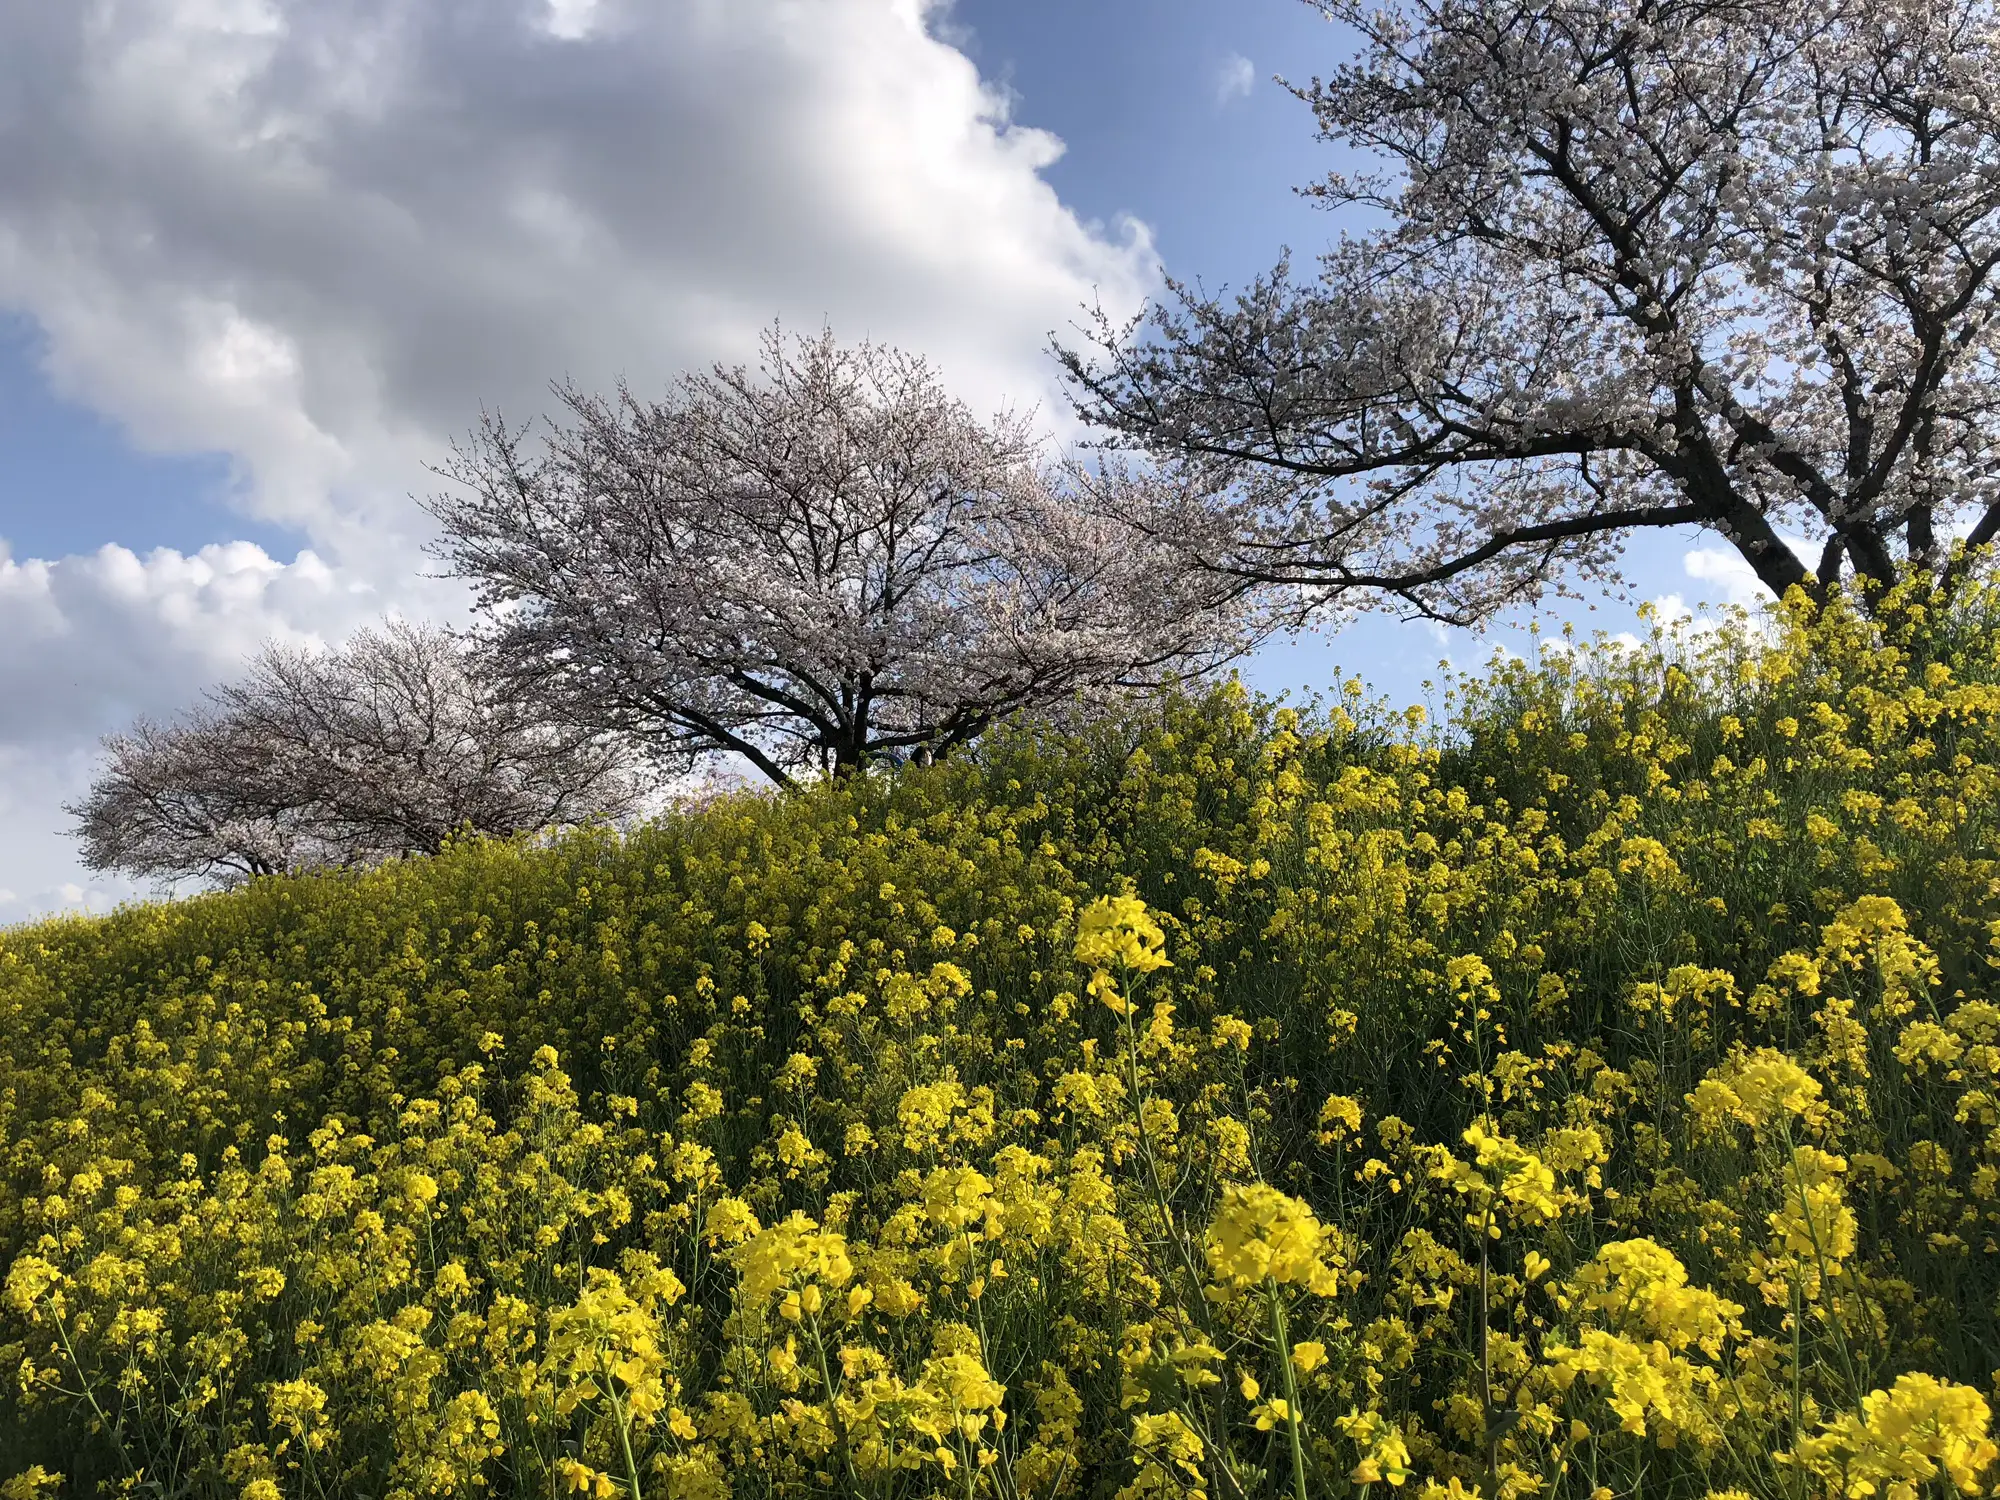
(821, 562)
(384, 747)
(1626, 265)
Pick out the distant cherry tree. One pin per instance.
(383, 747)
(1625, 264)
(822, 563)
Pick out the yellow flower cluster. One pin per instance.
(795, 1259)
(1918, 1430)
(1763, 1089)
(1117, 932)
(1385, 1457)
(1593, 1094)
(1502, 1177)
(1260, 1233)
(1641, 1289)
(1654, 1357)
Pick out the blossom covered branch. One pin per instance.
(1647, 264)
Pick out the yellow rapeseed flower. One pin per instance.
(1918, 1430)
(792, 1251)
(1117, 932)
(1259, 1232)
(1761, 1088)
(1384, 1454)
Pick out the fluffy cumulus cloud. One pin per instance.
(178, 621)
(1727, 576)
(319, 235)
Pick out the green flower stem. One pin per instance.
(624, 1427)
(1282, 1336)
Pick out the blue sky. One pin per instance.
(1169, 113)
(263, 258)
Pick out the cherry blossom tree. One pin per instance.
(195, 799)
(817, 564)
(384, 747)
(1620, 264)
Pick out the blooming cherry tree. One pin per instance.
(820, 563)
(384, 746)
(1635, 264)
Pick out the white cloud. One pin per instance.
(1729, 576)
(1235, 78)
(99, 639)
(571, 20)
(33, 787)
(317, 235)
(1731, 584)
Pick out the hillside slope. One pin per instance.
(1592, 1093)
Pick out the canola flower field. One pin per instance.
(1594, 1092)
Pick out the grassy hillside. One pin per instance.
(1593, 1094)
